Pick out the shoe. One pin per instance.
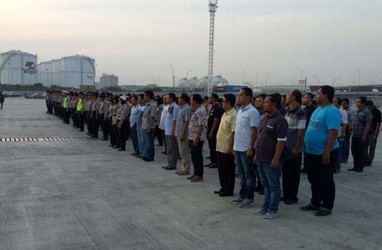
(224, 194)
(103, 139)
(337, 171)
(309, 207)
(164, 167)
(134, 154)
(218, 191)
(323, 212)
(368, 164)
(247, 203)
(208, 157)
(208, 165)
(121, 149)
(169, 168)
(146, 159)
(238, 200)
(303, 171)
(197, 179)
(290, 201)
(270, 216)
(213, 165)
(164, 152)
(358, 170)
(258, 188)
(282, 198)
(159, 144)
(260, 211)
(351, 169)
(261, 192)
(183, 173)
(191, 177)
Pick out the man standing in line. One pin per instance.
(269, 149)
(103, 114)
(291, 169)
(214, 116)
(148, 125)
(122, 117)
(341, 133)
(80, 111)
(2, 100)
(197, 136)
(374, 131)
(309, 108)
(133, 124)
(224, 147)
(322, 151)
(140, 131)
(346, 144)
(247, 124)
(181, 132)
(162, 122)
(170, 124)
(360, 133)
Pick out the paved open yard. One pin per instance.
(78, 193)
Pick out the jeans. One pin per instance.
(149, 150)
(270, 178)
(134, 138)
(197, 157)
(320, 177)
(291, 178)
(247, 175)
(345, 150)
(141, 140)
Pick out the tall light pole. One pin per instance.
(334, 81)
(213, 5)
(359, 76)
(188, 72)
(242, 67)
(266, 80)
(318, 79)
(173, 75)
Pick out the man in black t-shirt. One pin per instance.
(1, 100)
(374, 131)
(214, 115)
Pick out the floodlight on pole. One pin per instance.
(212, 9)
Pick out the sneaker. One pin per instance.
(260, 211)
(238, 200)
(247, 203)
(270, 216)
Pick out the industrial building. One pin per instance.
(69, 72)
(108, 81)
(18, 67)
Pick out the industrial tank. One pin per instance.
(18, 67)
(45, 70)
(183, 83)
(77, 70)
(193, 82)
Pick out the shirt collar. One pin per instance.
(246, 107)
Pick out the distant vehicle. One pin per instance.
(11, 94)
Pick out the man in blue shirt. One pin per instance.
(322, 151)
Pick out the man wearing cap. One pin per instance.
(102, 115)
(80, 111)
(66, 107)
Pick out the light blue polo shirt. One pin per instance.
(322, 121)
(172, 115)
(247, 118)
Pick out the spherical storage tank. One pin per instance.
(183, 83)
(193, 82)
(18, 67)
(216, 81)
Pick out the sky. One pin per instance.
(281, 40)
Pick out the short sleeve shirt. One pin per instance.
(198, 118)
(376, 118)
(272, 130)
(361, 118)
(247, 117)
(296, 121)
(172, 115)
(215, 112)
(322, 121)
(184, 116)
(226, 127)
(149, 112)
(163, 117)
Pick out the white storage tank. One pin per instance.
(77, 70)
(45, 73)
(18, 67)
(193, 82)
(56, 72)
(203, 82)
(183, 83)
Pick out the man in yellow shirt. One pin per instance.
(224, 147)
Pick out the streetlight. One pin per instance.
(212, 9)
(188, 73)
(266, 79)
(242, 67)
(359, 76)
(318, 79)
(334, 81)
(173, 76)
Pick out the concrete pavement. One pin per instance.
(77, 193)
